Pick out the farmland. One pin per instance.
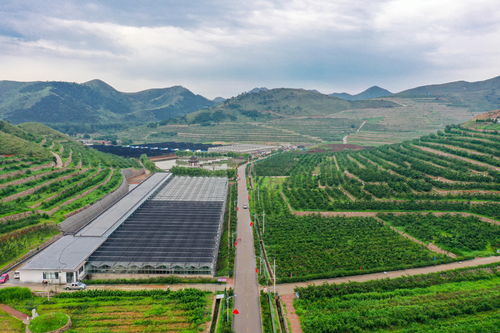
(38, 192)
(96, 311)
(416, 203)
(311, 247)
(407, 118)
(455, 301)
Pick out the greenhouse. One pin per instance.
(176, 231)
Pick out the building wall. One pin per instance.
(36, 276)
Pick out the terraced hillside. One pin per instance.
(456, 301)
(420, 202)
(39, 190)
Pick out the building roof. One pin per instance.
(66, 254)
(194, 189)
(119, 211)
(165, 232)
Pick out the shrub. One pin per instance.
(48, 322)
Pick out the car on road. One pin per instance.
(245, 206)
(75, 286)
(4, 278)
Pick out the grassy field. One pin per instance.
(10, 324)
(183, 311)
(457, 301)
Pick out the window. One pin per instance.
(80, 270)
(50, 275)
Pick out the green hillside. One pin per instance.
(45, 176)
(75, 107)
(15, 145)
(477, 96)
(279, 103)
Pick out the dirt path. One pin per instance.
(60, 179)
(13, 312)
(35, 168)
(35, 188)
(344, 139)
(59, 163)
(81, 195)
(373, 214)
(288, 288)
(291, 314)
(468, 160)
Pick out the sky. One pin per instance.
(225, 47)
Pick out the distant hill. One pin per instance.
(257, 90)
(93, 102)
(372, 92)
(218, 100)
(265, 104)
(477, 96)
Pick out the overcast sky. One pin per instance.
(224, 47)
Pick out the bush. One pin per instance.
(48, 322)
(14, 293)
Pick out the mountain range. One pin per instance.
(263, 103)
(94, 105)
(92, 102)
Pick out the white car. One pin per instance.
(75, 286)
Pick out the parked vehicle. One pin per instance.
(17, 275)
(75, 286)
(4, 278)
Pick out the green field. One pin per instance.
(97, 311)
(10, 324)
(456, 301)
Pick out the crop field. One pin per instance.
(455, 301)
(416, 203)
(223, 132)
(96, 311)
(38, 193)
(456, 171)
(411, 119)
(311, 247)
(463, 235)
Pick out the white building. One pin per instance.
(61, 262)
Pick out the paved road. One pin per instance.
(288, 288)
(246, 287)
